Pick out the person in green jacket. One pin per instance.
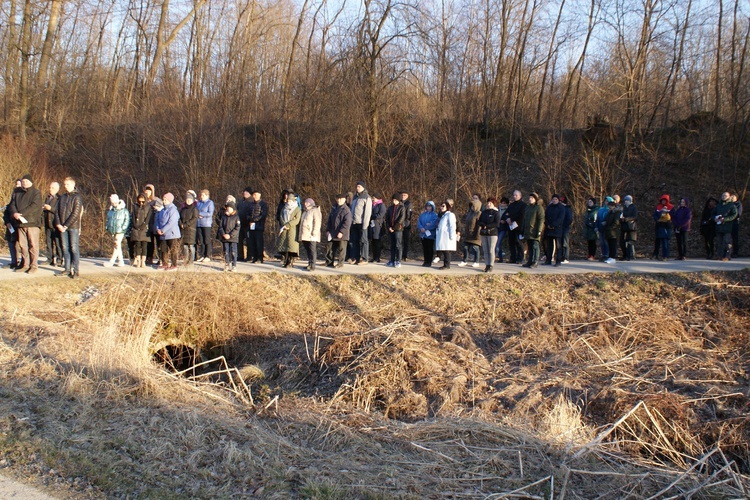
(533, 223)
(589, 227)
(118, 221)
(724, 215)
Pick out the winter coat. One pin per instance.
(554, 218)
(49, 215)
(243, 208)
(287, 240)
(361, 208)
(189, 223)
(515, 212)
(256, 214)
(70, 210)
(428, 220)
(568, 221)
(728, 212)
(310, 224)
(470, 232)
(589, 223)
(445, 237)
(168, 222)
(407, 213)
(533, 222)
(140, 220)
(708, 224)
(601, 218)
(682, 218)
(229, 224)
(488, 222)
(377, 220)
(612, 225)
(28, 203)
(663, 217)
(339, 221)
(205, 213)
(118, 219)
(395, 218)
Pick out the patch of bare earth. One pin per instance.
(379, 386)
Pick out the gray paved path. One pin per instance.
(10, 488)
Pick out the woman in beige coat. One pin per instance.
(309, 231)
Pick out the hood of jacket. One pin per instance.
(432, 204)
(664, 202)
(476, 205)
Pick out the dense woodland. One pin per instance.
(440, 97)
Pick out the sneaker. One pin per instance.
(436, 260)
(397, 264)
(31, 270)
(566, 261)
(476, 264)
(389, 264)
(362, 263)
(234, 269)
(461, 264)
(61, 274)
(610, 261)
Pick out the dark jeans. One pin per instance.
(203, 245)
(532, 252)
(54, 245)
(428, 249)
(172, 252)
(516, 247)
(335, 252)
(662, 244)
(725, 245)
(71, 250)
(735, 238)
(244, 241)
(445, 257)
(469, 249)
(501, 235)
(709, 240)
(256, 245)
(311, 248)
(592, 248)
(566, 245)
(188, 254)
(396, 239)
(377, 249)
(554, 250)
(681, 244)
(359, 245)
(140, 248)
(230, 253)
(12, 239)
(405, 243)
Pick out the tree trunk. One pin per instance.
(23, 87)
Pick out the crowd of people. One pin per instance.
(158, 233)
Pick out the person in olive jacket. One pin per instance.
(229, 235)
(554, 218)
(287, 243)
(488, 226)
(337, 232)
(140, 220)
(189, 228)
(533, 224)
(375, 231)
(26, 208)
(395, 218)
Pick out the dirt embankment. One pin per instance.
(383, 386)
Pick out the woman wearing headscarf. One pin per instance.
(446, 235)
(287, 244)
(309, 231)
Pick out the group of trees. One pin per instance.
(402, 93)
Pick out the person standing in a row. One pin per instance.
(488, 224)
(533, 223)
(68, 218)
(427, 227)
(514, 216)
(377, 225)
(26, 209)
(206, 209)
(309, 231)
(446, 237)
(395, 218)
(337, 232)
(54, 242)
(359, 245)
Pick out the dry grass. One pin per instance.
(407, 386)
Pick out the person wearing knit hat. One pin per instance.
(533, 225)
(193, 194)
(287, 243)
(188, 228)
(361, 208)
(118, 221)
(26, 210)
(309, 231)
(337, 232)
(377, 227)
(554, 218)
(142, 218)
(168, 229)
(243, 209)
(394, 223)
(628, 227)
(206, 209)
(228, 234)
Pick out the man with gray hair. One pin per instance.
(26, 209)
(52, 235)
(514, 216)
(359, 245)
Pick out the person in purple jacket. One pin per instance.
(681, 223)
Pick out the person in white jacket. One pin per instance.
(309, 231)
(445, 236)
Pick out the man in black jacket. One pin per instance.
(514, 218)
(26, 208)
(256, 223)
(68, 221)
(337, 232)
(406, 202)
(243, 207)
(52, 235)
(11, 230)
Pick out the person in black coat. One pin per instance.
(188, 228)
(395, 218)
(554, 218)
(514, 216)
(375, 231)
(337, 232)
(11, 231)
(140, 221)
(52, 235)
(243, 208)
(406, 235)
(26, 208)
(708, 226)
(257, 213)
(229, 235)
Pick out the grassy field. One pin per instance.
(378, 386)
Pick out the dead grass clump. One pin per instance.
(563, 424)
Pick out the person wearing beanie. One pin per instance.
(446, 235)
(206, 210)
(256, 222)
(361, 208)
(682, 218)
(242, 211)
(629, 227)
(724, 214)
(118, 222)
(554, 218)
(168, 229)
(188, 228)
(427, 227)
(394, 223)
(287, 243)
(590, 232)
(309, 231)
(533, 225)
(337, 232)
(228, 234)
(141, 218)
(26, 211)
(377, 227)
(663, 215)
(406, 202)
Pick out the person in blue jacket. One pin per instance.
(205, 220)
(426, 225)
(168, 229)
